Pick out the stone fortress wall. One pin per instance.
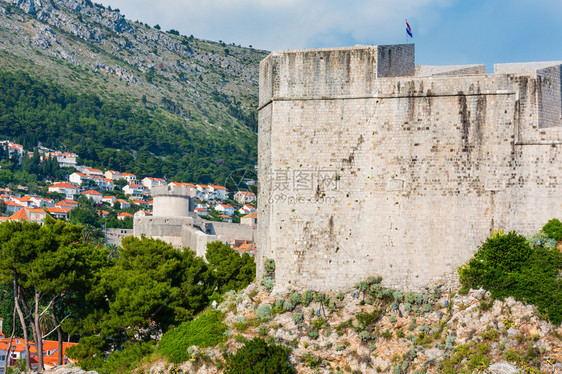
(174, 222)
(371, 165)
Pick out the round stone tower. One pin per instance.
(171, 201)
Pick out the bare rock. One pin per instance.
(503, 368)
(69, 369)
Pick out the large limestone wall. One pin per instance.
(401, 177)
(168, 229)
(196, 240)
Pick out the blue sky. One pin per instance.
(445, 31)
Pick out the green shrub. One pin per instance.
(127, 359)
(262, 331)
(512, 356)
(506, 265)
(314, 334)
(258, 357)
(407, 307)
(311, 360)
(319, 297)
(553, 229)
(242, 324)
(268, 283)
(269, 266)
(288, 305)
(319, 323)
(427, 308)
(298, 318)
(263, 313)
(296, 298)
(414, 298)
(412, 326)
(278, 306)
(387, 334)
(332, 306)
(205, 331)
(367, 319)
(307, 298)
(364, 335)
(450, 342)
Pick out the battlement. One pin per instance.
(179, 191)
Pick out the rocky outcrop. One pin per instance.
(390, 332)
(69, 369)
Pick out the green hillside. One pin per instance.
(77, 76)
(114, 135)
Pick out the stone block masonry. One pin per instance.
(175, 222)
(370, 165)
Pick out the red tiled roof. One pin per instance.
(247, 193)
(125, 214)
(65, 205)
(20, 214)
(91, 192)
(35, 210)
(58, 210)
(251, 215)
(246, 247)
(63, 185)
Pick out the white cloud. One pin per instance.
(445, 31)
(286, 24)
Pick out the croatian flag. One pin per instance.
(409, 29)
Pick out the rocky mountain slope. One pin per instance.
(209, 86)
(375, 330)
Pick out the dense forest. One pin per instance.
(64, 284)
(111, 135)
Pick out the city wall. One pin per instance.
(369, 165)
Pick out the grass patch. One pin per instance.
(206, 331)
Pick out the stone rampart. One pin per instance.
(362, 174)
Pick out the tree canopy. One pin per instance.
(117, 135)
(508, 265)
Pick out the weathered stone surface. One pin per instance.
(69, 369)
(503, 368)
(366, 168)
